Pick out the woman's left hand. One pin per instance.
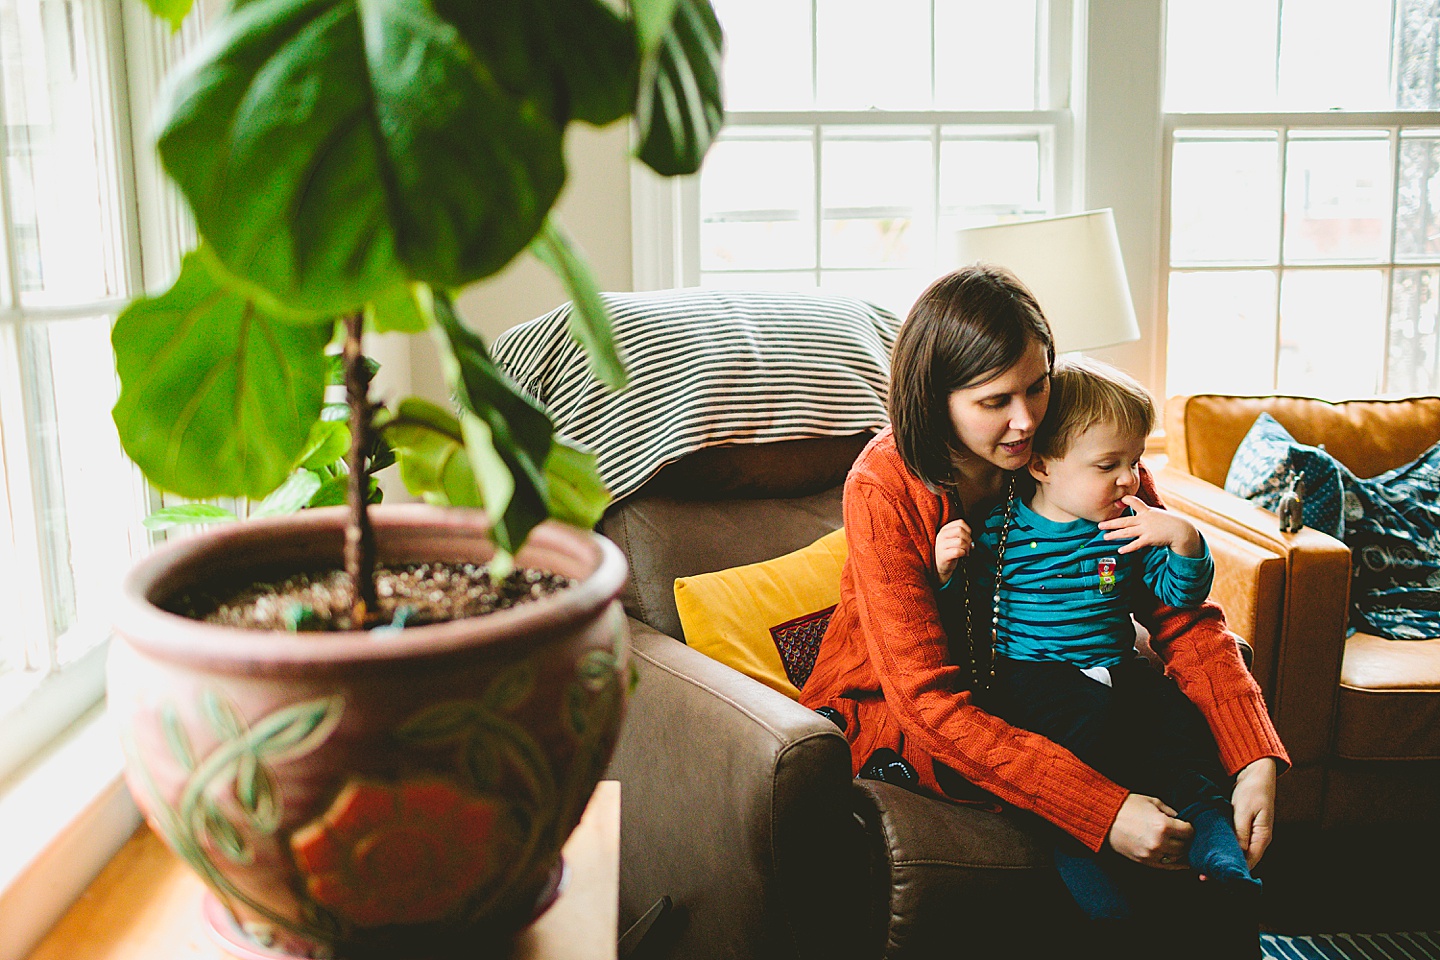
(1254, 802)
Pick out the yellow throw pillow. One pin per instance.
(747, 617)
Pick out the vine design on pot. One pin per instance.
(241, 764)
(593, 701)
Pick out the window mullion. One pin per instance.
(10, 269)
(1284, 135)
(1395, 172)
(816, 147)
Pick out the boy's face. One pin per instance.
(1092, 478)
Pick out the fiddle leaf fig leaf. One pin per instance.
(216, 397)
(652, 21)
(680, 108)
(507, 435)
(576, 494)
(589, 318)
(172, 12)
(331, 150)
(430, 449)
(394, 310)
(329, 441)
(185, 514)
(290, 497)
(580, 57)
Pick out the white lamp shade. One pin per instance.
(1072, 264)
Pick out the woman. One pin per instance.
(969, 385)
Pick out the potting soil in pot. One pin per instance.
(409, 595)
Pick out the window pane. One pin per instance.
(985, 179)
(895, 290)
(777, 280)
(60, 152)
(877, 198)
(1331, 322)
(1417, 34)
(757, 203)
(1335, 54)
(87, 498)
(1417, 218)
(986, 60)
(1224, 195)
(1201, 32)
(767, 54)
(870, 58)
(1222, 332)
(1411, 364)
(1337, 200)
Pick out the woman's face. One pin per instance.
(995, 420)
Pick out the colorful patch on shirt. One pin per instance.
(1106, 566)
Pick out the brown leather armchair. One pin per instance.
(1359, 715)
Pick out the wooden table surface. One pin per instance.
(145, 904)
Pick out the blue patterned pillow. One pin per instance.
(1260, 472)
(1392, 525)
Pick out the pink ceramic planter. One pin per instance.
(346, 794)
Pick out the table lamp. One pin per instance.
(1072, 264)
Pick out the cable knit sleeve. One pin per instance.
(1203, 657)
(891, 546)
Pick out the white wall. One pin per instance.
(595, 209)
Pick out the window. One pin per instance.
(1303, 202)
(857, 143)
(70, 257)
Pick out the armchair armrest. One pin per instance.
(1298, 648)
(737, 805)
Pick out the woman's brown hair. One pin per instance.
(967, 327)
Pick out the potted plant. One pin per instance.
(384, 789)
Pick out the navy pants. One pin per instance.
(1147, 736)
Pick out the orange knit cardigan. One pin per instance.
(883, 665)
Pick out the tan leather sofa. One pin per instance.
(1359, 715)
(738, 803)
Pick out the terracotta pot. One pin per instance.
(396, 796)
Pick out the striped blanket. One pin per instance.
(708, 367)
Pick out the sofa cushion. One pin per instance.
(664, 539)
(1389, 705)
(1265, 463)
(766, 619)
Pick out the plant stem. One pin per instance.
(359, 535)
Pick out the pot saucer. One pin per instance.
(225, 933)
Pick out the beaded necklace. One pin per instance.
(975, 679)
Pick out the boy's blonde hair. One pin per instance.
(1085, 392)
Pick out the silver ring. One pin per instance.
(1165, 859)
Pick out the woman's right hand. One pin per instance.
(1146, 831)
(951, 543)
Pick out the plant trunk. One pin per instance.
(359, 535)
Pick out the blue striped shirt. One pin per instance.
(1068, 592)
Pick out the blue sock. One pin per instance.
(1215, 851)
(1090, 886)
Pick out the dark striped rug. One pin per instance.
(1352, 946)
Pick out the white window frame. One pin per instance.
(1282, 124)
(665, 213)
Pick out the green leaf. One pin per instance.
(394, 310)
(335, 372)
(172, 12)
(506, 432)
(574, 491)
(329, 441)
(331, 150)
(589, 319)
(216, 397)
(511, 687)
(430, 449)
(176, 738)
(335, 492)
(290, 497)
(296, 730)
(225, 721)
(184, 514)
(681, 107)
(579, 57)
(652, 21)
(443, 723)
